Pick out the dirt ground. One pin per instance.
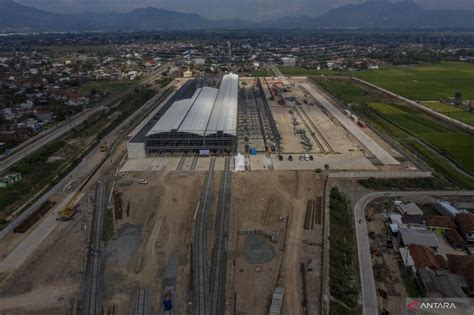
(163, 211)
(387, 272)
(271, 202)
(50, 281)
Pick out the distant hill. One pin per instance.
(394, 15)
(369, 15)
(17, 17)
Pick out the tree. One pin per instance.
(458, 95)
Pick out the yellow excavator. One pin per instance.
(68, 211)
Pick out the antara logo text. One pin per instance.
(418, 306)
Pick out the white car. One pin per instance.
(142, 181)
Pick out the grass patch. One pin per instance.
(113, 87)
(164, 81)
(411, 287)
(452, 111)
(426, 82)
(261, 73)
(300, 71)
(343, 285)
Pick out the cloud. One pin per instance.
(216, 9)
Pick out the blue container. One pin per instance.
(253, 151)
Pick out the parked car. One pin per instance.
(142, 181)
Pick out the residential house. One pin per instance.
(408, 236)
(446, 209)
(439, 224)
(463, 265)
(440, 284)
(455, 239)
(409, 208)
(465, 223)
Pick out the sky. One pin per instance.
(216, 9)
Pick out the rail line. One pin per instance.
(92, 302)
(200, 260)
(140, 307)
(328, 148)
(320, 146)
(218, 269)
(181, 162)
(194, 163)
(326, 143)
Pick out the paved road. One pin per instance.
(367, 281)
(24, 152)
(381, 154)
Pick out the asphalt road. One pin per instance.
(367, 281)
(24, 152)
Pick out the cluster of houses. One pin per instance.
(40, 88)
(439, 272)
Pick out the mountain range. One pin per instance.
(15, 17)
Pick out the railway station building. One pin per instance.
(200, 117)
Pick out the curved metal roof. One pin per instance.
(209, 111)
(172, 118)
(198, 116)
(224, 115)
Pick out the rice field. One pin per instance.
(425, 82)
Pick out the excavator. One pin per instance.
(68, 211)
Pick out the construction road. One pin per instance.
(380, 153)
(367, 280)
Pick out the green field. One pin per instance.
(452, 111)
(430, 82)
(410, 127)
(300, 71)
(261, 73)
(343, 284)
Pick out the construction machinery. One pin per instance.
(68, 211)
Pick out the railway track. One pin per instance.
(218, 269)
(141, 300)
(194, 163)
(181, 163)
(200, 259)
(93, 297)
(318, 137)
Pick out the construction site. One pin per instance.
(214, 203)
